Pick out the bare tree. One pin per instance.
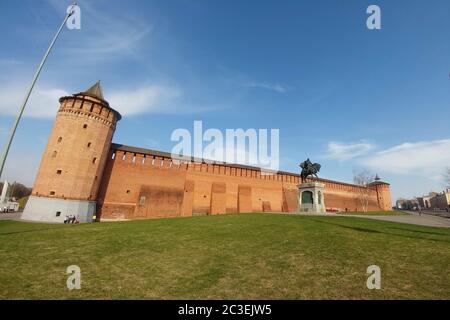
(363, 178)
(16, 190)
(19, 190)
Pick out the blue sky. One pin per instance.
(345, 96)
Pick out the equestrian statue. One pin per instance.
(309, 169)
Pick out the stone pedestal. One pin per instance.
(310, 197)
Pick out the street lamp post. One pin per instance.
(25, 100)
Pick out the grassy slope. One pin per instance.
(230, 257)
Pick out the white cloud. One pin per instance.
(9, 62)
(345, 151)
(108, 36)
(263, 85)
(246, 81)
(110, 44)
(428, 158)
(154, 98)
(43, 102)
(147, 99)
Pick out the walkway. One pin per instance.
(413, 218)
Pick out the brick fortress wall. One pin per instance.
(140, 183)
(81, 171)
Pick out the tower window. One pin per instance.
(94, 161)
(128, 191)
(54, 154)
(84, 126)
(52, 193)
(58, 171)
(59, 139)
(89, 145)
(58, 213)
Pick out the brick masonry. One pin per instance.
(80, 162)
(203, 188)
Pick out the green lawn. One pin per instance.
(377, 213)
(248, 256)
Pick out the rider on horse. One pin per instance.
(308, 169)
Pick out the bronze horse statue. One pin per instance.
(309, 169)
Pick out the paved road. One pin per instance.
(414, 218)
(442, 214)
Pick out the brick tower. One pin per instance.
(383, 193)
(72, 165)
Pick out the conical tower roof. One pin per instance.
(95, 91)
(377, 180)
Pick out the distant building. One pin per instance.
(407, 204)
(7, 203)
(425, 201)
(441, 200)
(400, 204)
